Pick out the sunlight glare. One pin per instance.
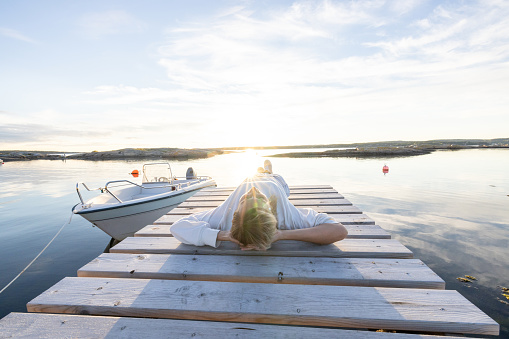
(247, 165)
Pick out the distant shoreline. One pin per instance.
(375, 152)
(126, 153)
(369, 152)
(366, 150)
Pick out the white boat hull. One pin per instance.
(121, 220)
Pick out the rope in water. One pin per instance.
(38, 255)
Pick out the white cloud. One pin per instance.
(14, 34)
(96, 25)
(463, 29)
(404, 7)
(361, 70)
(318, 13)
(304, 72)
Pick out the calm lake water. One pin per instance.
(451, 208)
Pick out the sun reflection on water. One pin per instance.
(245, 165)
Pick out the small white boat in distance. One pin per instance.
(124, 207)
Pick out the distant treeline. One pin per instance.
(377, 148)
(439, 143)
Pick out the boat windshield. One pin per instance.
(157, 172)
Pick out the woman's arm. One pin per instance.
(322, 234)
(193, 231)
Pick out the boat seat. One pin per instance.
(191, 174)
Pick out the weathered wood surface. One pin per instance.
(320, 209)
(333, 306)
(409, 273)
(293, 196)
(50, 326)
(293, 190)
(354, 231)
(298, 203)
(315, 196)
(348, 248)
(345, 219)
(312, 190)
(366, 232)
(291, 187)
(294, 283)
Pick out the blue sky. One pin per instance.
(102, 75)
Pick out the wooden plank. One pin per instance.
(319, 192)
(216, 189)
(366, 232)
(38, 325)
(345, 219)
(214, 195)
(348, 248)
(292, 197)
(321, 209)
(208, 198)
(354, 231)
(299, 203)
(291, 187)
(313, 190)
(301, 187)
(332, 306)
(409, 273)
(353, 219)
(210, 193)
(320, 202)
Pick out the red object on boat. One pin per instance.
(135, 173)
(385, 169)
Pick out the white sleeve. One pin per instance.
(323, 218)
(311, 218)
(193, 231)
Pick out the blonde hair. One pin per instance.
(255, 226)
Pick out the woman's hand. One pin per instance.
(278, 236)
(226, 236)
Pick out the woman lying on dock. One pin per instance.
(257, 214)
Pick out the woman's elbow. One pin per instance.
(338, 233)
(344, 232)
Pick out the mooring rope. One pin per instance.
(38, 255)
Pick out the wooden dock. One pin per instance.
(153, 286)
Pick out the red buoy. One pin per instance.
(135, 173)
(385, 169)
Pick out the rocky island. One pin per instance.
(125, 153)
(152, 153)
(392, 149)
(362, 152)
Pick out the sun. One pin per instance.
(247, 164)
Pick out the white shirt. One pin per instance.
(202, 228)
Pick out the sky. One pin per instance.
(104, 75)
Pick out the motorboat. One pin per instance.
(123, 207)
